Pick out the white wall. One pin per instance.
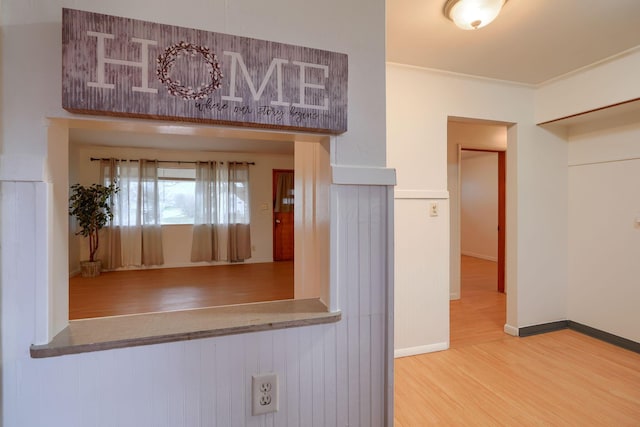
(338, 374)
(419, 103)
(604, 232)
(600, 85)
(602, 191)
(177, 238)
(479, 205)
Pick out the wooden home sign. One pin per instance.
(125, 67)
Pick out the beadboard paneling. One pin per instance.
(329, 375)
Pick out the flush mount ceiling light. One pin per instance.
(472, 14)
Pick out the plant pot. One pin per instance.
(90, 268)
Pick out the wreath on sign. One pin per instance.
(167, 60)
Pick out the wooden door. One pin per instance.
(283, 207)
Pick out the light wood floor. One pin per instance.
(488, 378)
(168, 289)
(480, 314)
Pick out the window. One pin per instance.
(176, 188)
(239, 195)
(177, 195)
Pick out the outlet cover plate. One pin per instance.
(264, 392)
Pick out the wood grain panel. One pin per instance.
(263, 84)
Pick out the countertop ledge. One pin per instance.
(106, 333)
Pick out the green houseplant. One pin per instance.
(92, 208)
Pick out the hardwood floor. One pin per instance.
(479, 315)
(488, 378)
(146, 291)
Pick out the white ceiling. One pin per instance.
(530, 42)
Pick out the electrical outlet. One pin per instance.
(264, 389)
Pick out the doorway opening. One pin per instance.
(477, 186)
(482, 206)
(154, 140)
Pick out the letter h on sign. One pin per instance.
(102, 60)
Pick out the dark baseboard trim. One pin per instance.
(583, 329)
(605, 336)
(543, 328)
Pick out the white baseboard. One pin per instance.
(511, 330)
(422, 349)
(454, 295)
(481, 256)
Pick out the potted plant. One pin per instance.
(92, 209)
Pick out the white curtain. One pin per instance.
(239, 212)
(134, 236)
(221, 230)
(151, 252)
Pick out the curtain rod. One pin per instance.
(95, 159)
